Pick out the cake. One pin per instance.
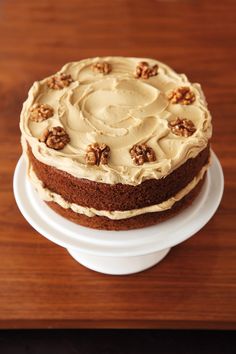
(116, 143)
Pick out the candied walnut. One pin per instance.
(182, 127)
(97, 154)
(141, 153)
(182, 95)
(102, 67)
(40, 112)
(58, 82)
(56, 138)
(144, 70)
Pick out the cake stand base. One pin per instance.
(119, 252)
(118, 265)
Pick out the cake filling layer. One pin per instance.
(49, 196)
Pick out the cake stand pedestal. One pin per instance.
(118, 265)
(119, 252)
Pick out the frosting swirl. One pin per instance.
(120, 111)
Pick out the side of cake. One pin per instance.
(116, 143)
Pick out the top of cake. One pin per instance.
(116, 120)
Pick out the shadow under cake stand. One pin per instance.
(119, 252)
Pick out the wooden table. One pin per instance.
(40, 284)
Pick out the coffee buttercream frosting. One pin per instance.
(119, 110)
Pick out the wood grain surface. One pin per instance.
(40, 284)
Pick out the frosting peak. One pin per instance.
(120, 111)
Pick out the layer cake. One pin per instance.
(116, 143)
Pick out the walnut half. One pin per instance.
(40, 112)
(58, 82)
(97, 154)
(144, 70)
(55, 138)
(141, 153)
(102, 67)
(182, 95)
(182, 127)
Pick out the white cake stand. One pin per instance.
(119, 252)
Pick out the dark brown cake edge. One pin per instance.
(102, 196)
(136, 222)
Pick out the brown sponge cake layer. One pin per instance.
(102, 196)
(148, 219)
